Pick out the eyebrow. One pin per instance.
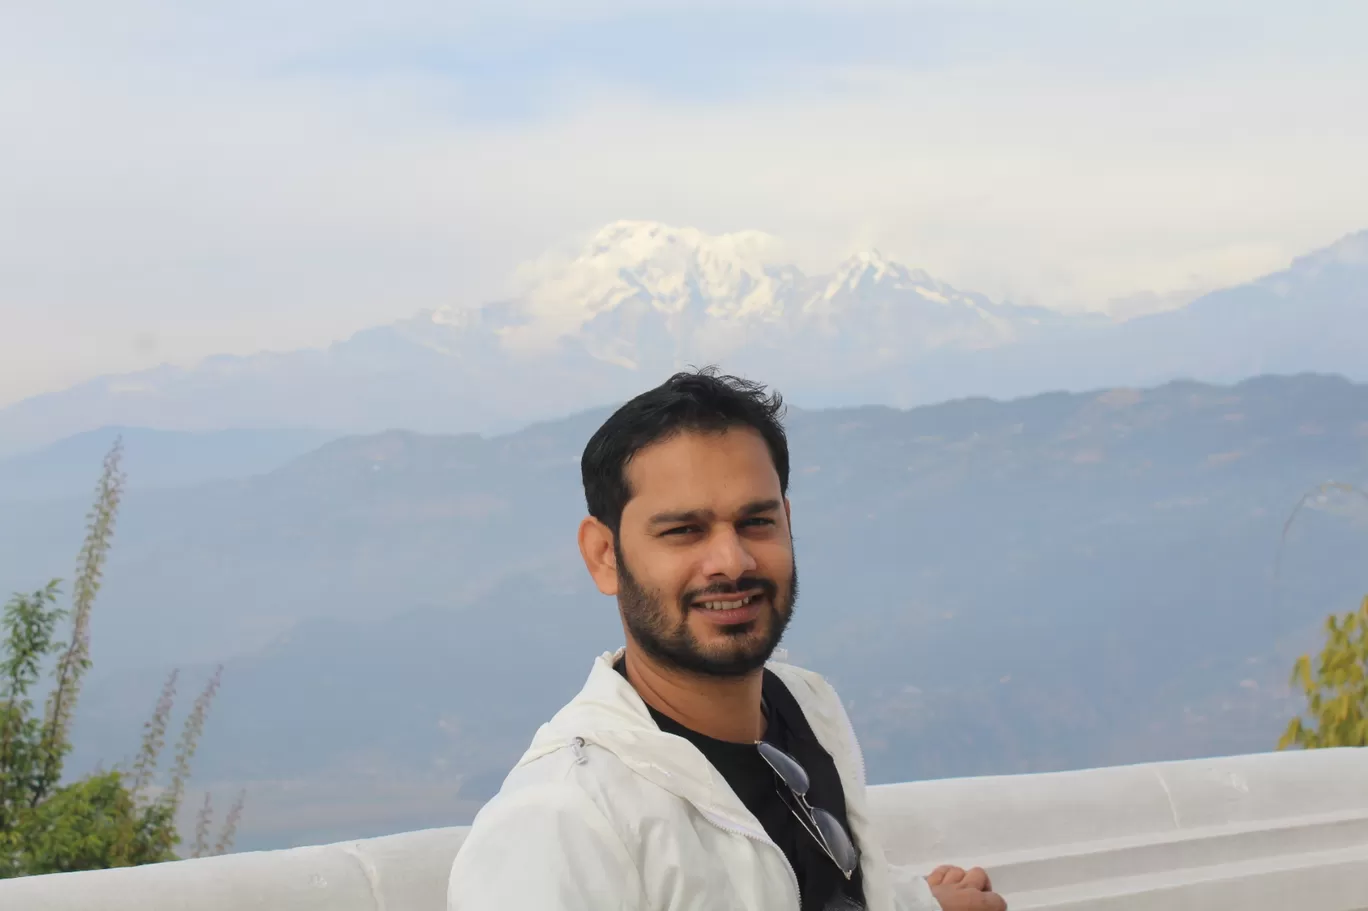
(753, 508)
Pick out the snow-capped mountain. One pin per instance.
(643, 294)
(680, 279)
(641, 299)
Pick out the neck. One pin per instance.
(723, 708)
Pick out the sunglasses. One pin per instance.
(820, 824)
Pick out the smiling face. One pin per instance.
(705, 575)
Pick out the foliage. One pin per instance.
(1336, 687)
(75, 660)
(109, 818)
(91, 824)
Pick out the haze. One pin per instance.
(179, 182)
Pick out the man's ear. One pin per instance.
(788, 513)
(596, 547)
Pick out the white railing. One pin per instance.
(1285, 831)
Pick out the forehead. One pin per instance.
(698, 469)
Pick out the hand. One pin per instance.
(958, 889)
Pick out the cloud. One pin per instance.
(269, 176)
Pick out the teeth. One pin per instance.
(728, 605)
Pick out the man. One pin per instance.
(691, 772)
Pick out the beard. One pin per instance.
(665, 635)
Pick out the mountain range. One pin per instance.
(1051, 582)
(165, 459)
(642, 298)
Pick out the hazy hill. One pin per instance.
(164, 458)
(1056, 581)
(1310, 317)
(642, 299)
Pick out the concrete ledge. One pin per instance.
(1277, 831)
(393, 873)
(1269, 831)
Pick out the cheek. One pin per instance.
(774, 560)
(669, 579)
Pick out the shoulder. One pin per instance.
(806, 686)
(544, 791)
(823, 710)
(579, 778)
(547, 837)
(583, 786)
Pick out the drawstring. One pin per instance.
(577, 747)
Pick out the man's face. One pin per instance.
(705, 568)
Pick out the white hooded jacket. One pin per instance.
(607, 812)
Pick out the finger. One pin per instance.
(937, 876)
(977, 878)
(952, 876)
(990, 901)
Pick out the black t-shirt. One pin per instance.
(823, 886)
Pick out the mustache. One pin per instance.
(755, 584)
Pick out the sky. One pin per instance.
(178, 180)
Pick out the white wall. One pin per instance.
(1286, 831)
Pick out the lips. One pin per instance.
(718, 603)
(732, 608)
(744, 593)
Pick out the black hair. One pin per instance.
(698, 401)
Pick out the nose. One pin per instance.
(727, 556)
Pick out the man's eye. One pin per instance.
(758, 521)
(680, 530)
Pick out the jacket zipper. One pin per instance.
(738, 830)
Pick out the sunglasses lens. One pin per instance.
(833, 833)
(794, 775)
(836, 838)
